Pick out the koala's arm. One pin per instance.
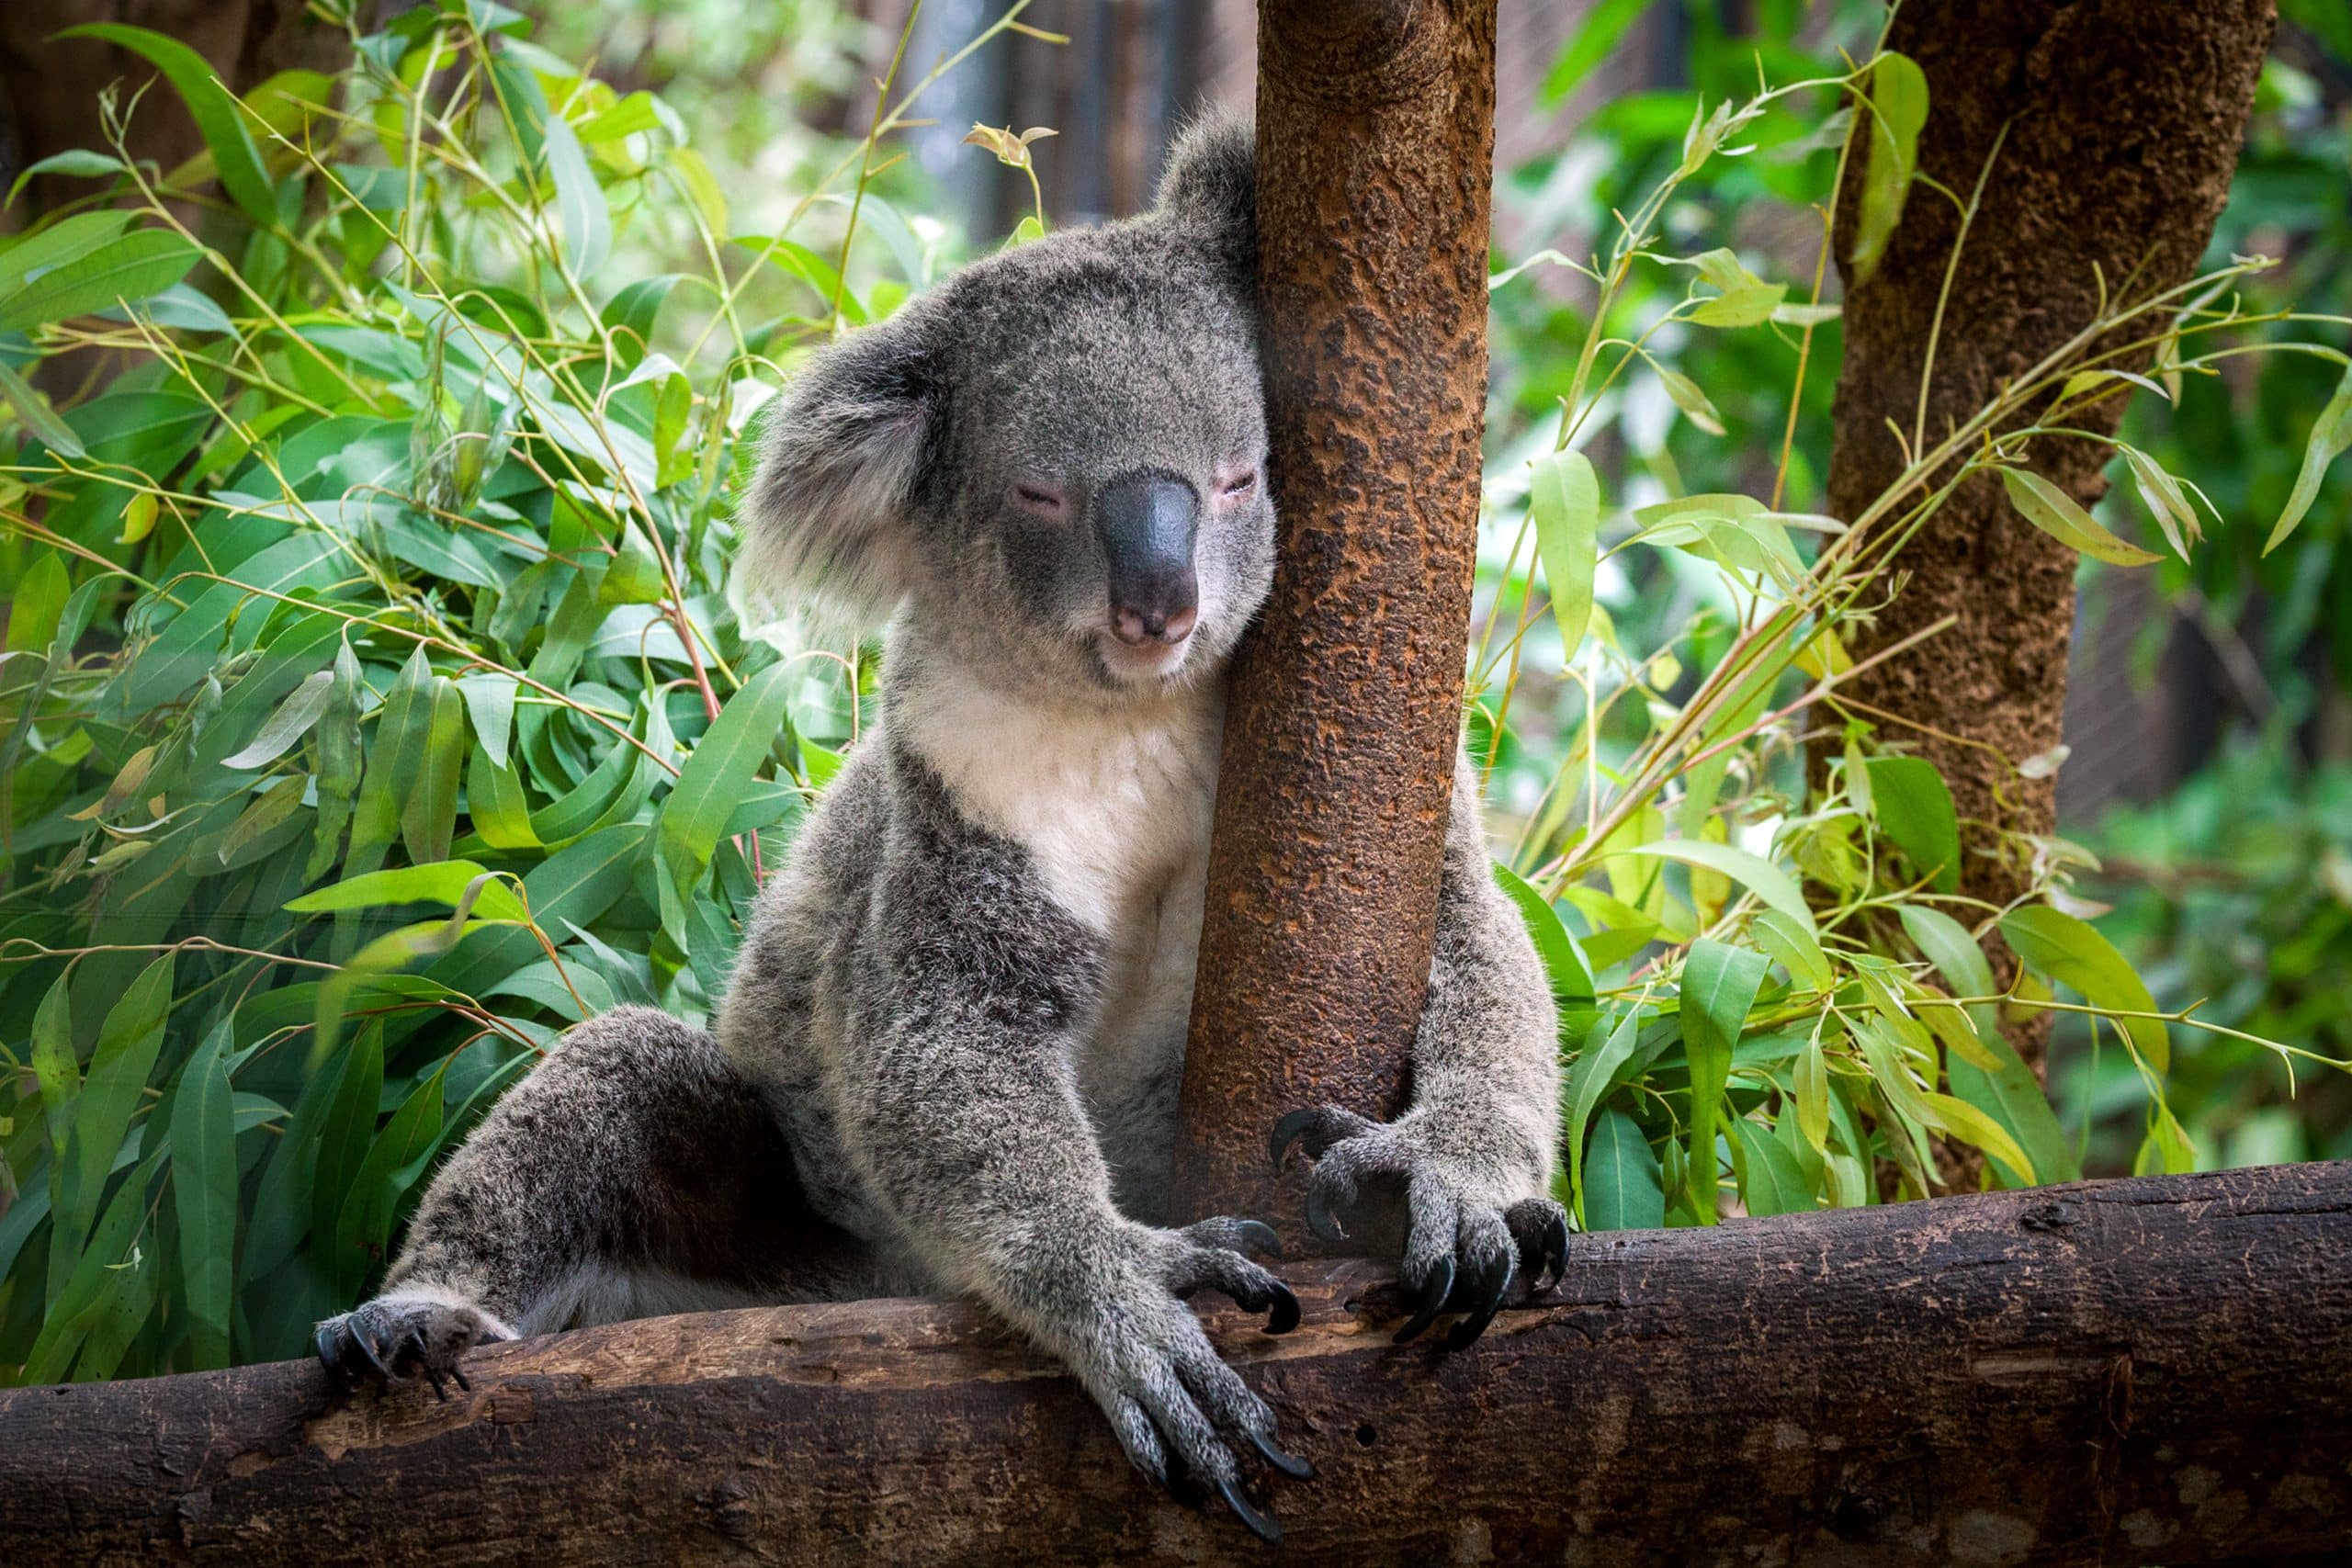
(1474, 1153)
(959, 1102)
(1486, 1060)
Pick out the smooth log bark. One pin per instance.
(2132, 1372)
(2123, 120)
(1375, 152)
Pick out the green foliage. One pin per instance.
(1777, 989)
(372, 707)
(2235, 891)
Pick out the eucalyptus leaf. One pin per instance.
(1563, 502)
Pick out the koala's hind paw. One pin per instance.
(397, 1334)
(1465, 1243)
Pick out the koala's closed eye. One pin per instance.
(1046, 501)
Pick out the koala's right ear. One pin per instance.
(842, 452)
(1211, 185)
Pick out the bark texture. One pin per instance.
(2124, 121)
(1375, 134)
(2129, 1372)
(49, 91)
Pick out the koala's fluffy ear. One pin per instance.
(1210, 184)
(842, 452)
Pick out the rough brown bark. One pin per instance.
(2121, 1373)
(2125, 120)
(1376, 131)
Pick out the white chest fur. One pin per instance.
(1113, 807)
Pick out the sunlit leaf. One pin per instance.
(447, 883)
(2062, 517)
(214, 109)
(1563, 502)
(1750, 306)
(1571, 978)
(1898, 100)
(34, 409)
(1719, 986)
(131, 267)
(1771, 1182)
(2330, 434)
(1773, 886)
(586, 226)
(1914, 805)
(1795, 945)
(2073, 953)
(288, 725)
(1608, 1046)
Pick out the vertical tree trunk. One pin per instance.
(49, 91)
(2123, 123)
(1376, 142)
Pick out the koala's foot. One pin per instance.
(1465, 1243)
(403, 1332)
(1170, 1397)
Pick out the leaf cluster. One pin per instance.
(372, 704)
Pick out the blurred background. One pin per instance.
(2209, 781)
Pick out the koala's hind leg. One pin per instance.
(631, 1173)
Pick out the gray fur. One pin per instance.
(949, 1057)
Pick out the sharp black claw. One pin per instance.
(330, 1357)
(1555, 1253)
(1287, 1131)
(1319, 1217)
(460, 1377)
(1284, 1316)
(1257, 1235)
(440, 1389)
(1260, 1525)
(1291, 1465)
(375, 1357)
(1434, 1289)
(1493, 1286)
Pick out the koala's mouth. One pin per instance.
(1125, 663)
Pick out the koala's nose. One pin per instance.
(1147, 524)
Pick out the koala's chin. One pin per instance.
(1152, 666)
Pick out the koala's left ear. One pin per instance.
(1211, 185)
(842, 452)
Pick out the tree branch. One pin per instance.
(2119, 1371)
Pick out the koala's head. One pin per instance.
(1058, 458)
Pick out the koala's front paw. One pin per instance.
(1466, 1241)
(1170, 1397)
(399, 1331)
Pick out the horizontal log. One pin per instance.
(2128, 1372)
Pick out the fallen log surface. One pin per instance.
(2155, 1370)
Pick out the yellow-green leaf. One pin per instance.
(1563, 502)
(2062, 517)
(1898, 100)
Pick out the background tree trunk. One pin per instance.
(48, 92)
(1376, 143)
(2111, 1372)
(2125, 120)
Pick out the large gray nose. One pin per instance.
(1147, 524)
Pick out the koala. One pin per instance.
(948, 1059)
